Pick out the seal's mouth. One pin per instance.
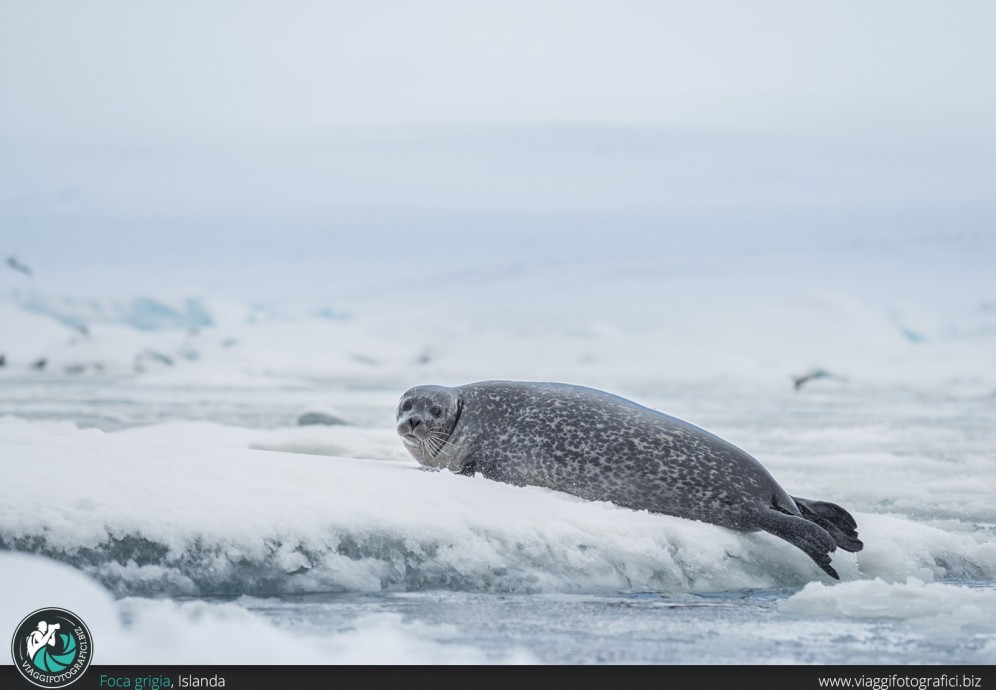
(408, 433)
(409, 438)
(416, 440)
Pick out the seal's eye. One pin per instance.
(406, 406)
(435, 410)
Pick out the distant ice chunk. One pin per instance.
(143, 313)
(324, 417)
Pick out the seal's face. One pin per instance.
(426, 416)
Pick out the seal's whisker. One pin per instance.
(430, 443)
(441, 444)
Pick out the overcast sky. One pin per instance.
(97, 68)
(245, 131)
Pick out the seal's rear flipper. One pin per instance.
(834, 519)
(801, 533)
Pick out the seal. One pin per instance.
(603, 447)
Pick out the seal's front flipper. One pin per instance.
(801, 533)
(834, 519)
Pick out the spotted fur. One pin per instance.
(600, 446)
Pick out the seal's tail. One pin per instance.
(834, 519)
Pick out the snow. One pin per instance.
(191, 508)
(181, 470)
(854, 342)
(915, 601)
(162, 632)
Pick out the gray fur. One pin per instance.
(600, 446)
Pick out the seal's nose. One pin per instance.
(414, 421)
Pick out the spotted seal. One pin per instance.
(603, 447)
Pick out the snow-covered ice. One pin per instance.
(188, 476)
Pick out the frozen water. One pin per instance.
(168, 467)
(206, 491)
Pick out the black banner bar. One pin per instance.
(725, 677)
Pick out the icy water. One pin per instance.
(745, 627)
(920, 442)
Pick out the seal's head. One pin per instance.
(427, 417)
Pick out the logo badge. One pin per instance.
(52, 648)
